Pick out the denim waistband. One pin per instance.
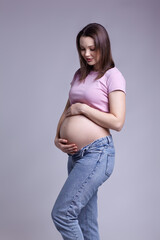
(97, 143)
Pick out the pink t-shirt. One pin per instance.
(95, 92)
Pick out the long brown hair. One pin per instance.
(102, 44)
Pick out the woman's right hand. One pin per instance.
(70, 148)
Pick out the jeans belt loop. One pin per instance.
(83, 152)
(109, 140)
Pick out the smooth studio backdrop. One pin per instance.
(38, 59)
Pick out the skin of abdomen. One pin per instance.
(81, 130)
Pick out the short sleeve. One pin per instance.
(116, 81)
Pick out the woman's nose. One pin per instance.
(87, 53)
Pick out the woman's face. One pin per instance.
(88, 52)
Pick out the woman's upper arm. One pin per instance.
(117, 106)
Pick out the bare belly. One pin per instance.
(81, 130)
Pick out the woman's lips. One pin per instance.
(89, 59)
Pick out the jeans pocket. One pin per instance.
(110, 164)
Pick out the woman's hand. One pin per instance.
(75, 109)
(63, 146)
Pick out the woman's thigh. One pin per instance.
(88, 173)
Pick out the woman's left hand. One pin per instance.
(75, 109)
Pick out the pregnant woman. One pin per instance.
(96, 104)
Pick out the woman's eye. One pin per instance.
(91, 49)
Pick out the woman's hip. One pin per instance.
(95, 158)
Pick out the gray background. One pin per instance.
(38, 59)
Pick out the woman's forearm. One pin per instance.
(112, 120)
(106, 120)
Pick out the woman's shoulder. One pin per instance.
(115, 80)
(77, 72)
(112, 72)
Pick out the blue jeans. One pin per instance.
(75, 211)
